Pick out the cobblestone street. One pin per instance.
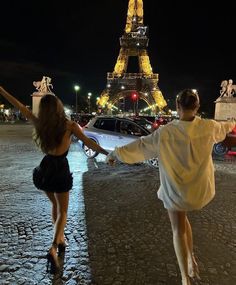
(118, 231)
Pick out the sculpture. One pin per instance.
(225, 107)
(44, 86)
(228, 89)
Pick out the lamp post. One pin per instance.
(89, 105)
(77, 88)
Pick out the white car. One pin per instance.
(111, 131)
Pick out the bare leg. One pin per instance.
(62, 207)
(178, 224)
(193, 270)
(53, 201)
(59, 215)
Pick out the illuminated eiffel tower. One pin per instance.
(121, 84)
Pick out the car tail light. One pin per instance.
(155, 125)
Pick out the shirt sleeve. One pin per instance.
(141, 149)
(221, 129)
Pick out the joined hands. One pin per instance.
(111, 159)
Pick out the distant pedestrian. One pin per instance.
(187, 183)
(53, 133)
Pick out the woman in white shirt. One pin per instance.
(184, 149)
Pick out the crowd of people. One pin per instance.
(12, 117)
(7, 118)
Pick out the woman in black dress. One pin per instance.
(53, 133)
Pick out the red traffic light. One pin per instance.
(134, 96)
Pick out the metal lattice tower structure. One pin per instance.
(120, 84)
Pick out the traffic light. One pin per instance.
(134, 96)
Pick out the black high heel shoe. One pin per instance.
(52, 265)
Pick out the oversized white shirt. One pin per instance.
(184, 151)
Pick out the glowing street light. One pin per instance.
(77, 88)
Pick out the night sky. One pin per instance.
(191, 45)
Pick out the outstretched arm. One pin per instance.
(139, 150)
(221, 129)
(87, 141)
(24, 110)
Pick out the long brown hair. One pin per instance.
(51, 124)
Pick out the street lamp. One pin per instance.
(89, 96)
(77, 88)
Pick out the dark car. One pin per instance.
(81, 119)
(228, 144)
(110, 131)
(157, 121)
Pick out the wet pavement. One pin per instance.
(118, 231)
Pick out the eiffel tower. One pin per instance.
(121, 84)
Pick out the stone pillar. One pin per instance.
(36, 97)
(225, 108)
(35, 102)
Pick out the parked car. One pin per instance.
(228, 144)
(157, 121)
(109, 132)
(81, 119)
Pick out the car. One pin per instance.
(81, 119)
(112, 131)
(227, 145)
(157, 121)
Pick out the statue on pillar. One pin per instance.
(225, 107)
(44, 86)
(228, 89)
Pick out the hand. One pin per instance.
(110, 159)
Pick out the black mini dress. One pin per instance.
(53, 174)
